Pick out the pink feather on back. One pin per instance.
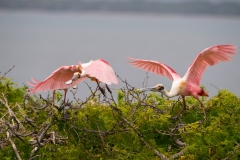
(55, 81)
(101, 70)
(209, 56)
(155, 67)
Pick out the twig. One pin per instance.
(214, 86)
(177, 155)
(233, 152)
(101, 137)
(14, 147)
(7, 72)
(32, 152)
(44, 132)
(146, 82)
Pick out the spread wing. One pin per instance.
(209, 56)
(155, 67)
(55, 81)
(101, 70)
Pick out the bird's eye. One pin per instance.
(161, 88)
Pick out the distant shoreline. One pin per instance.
(110, 14)
(221, 8)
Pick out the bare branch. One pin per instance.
(179, 154)
(33, 152)
(14, 147)
(7, 72)
(233, 152)
(214, 86)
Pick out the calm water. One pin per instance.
(39, 43)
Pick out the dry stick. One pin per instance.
(34, 157)
(18, 135)
(53, 137)
(233, 152)
(146, 82)
(176, 102)
(32, 152)
(76, 134)
(160, 155)
(7, 72)
(30, 122)
(103, 133)
(167, 134)
(159, 110)
(39, 139)
(14, 147)
(179, 154)
(11, 113)
(88, 98)
(74, 94)
(155, 108)
(214, 86)
(101, 137)
(140, 136)
(44, 132)
(47, 104)
(178, 142)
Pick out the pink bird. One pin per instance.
(98, 71)
(189, 85)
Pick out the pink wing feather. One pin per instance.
(101, 70)
(209, 56)
(155, 67)
(55, 81)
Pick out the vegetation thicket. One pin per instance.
(131, 125)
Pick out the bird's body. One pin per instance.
(56, 81)
(98, 70)
(189, 84)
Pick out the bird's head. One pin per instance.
(75, 77)
(157, 88)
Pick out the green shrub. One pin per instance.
(134, 126)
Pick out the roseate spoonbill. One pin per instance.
(98, 70)
(189, 85)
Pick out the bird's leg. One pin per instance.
(184, 108)
(108, 89)
(202, 108)
(64, 104)
(184, 105)
(101, 89)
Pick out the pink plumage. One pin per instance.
(189, 84)
(101, 70)
(208, 57)
(155, 67)
(98, 70)
(56, 80)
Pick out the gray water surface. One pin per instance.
(38, 43)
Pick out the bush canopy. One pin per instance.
(127, 124)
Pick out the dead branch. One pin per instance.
(33, 152)
(179, 154)
(44, 132)
(6, 72)
(233, 152)
(214, 86)
(14, 147)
